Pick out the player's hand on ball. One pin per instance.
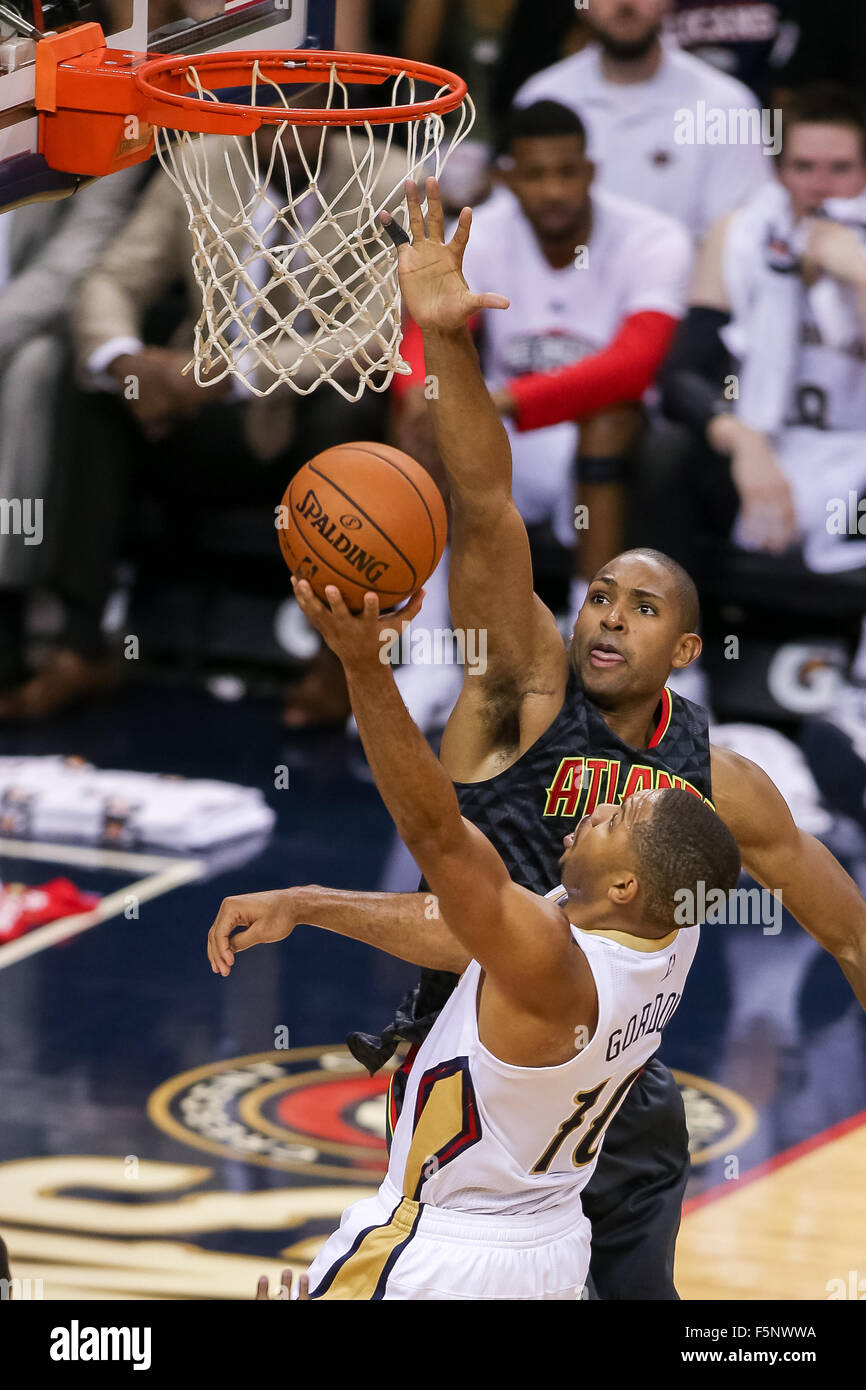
(356, 638)
(266, 917)
(284, 1290)
(430, 269)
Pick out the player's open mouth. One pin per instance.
(604, 657)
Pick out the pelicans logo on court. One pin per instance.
(315, 1109)
(308, 1107)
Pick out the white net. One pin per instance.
(298, 277)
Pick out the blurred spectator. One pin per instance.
(654, 115)
(768, 370)
(45, 250)
(145, 429)
(596, 284)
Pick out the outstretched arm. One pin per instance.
(814, 887)
(491, 571)
(406, 925)
(523, 942)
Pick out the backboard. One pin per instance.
(158, 26)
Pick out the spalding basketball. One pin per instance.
(364, 517)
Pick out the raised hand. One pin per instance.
(430, 269)
(356, 638)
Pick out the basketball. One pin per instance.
(364, 517)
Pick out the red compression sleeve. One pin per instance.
(620, 372)
(412, 351)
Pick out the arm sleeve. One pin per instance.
(412, 351)
(692, 379)
(620, 372)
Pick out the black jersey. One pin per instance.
(525, 811)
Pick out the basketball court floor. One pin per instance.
(169, 1134)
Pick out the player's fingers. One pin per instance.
(461, 232)
(490, 301)
(412, 607)
(310, 606)
(371, 607)
(336, 602)
(395, 232)
(286, 1284)
(435, 215)
(262, 1289)
(243, 940)
(416, 216)
(218, 948)
(304, 1287)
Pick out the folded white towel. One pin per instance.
(57, 798)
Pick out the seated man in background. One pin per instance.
(637, 95)
(142, 427)
(768, 370)
(45, 250)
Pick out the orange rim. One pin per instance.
(165, 85)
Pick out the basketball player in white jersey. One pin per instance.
(559, 1008)
(782, 284)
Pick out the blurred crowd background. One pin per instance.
(683, 366)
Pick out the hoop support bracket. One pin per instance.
(98, 106)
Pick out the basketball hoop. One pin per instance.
(298, 277)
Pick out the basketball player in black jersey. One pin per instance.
(541, 738)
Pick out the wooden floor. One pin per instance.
(796, 1230)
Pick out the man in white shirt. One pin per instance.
(664, 128)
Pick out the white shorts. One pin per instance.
(388, 1246)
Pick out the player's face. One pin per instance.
(821, 161)
(627, 632)
(599, 851)
(550, 177)
(627, 28)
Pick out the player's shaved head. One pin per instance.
(637, 624)
(684, 585)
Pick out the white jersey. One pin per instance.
(823, 349)
(478, 1135)
(636, 259)
(633, 129)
